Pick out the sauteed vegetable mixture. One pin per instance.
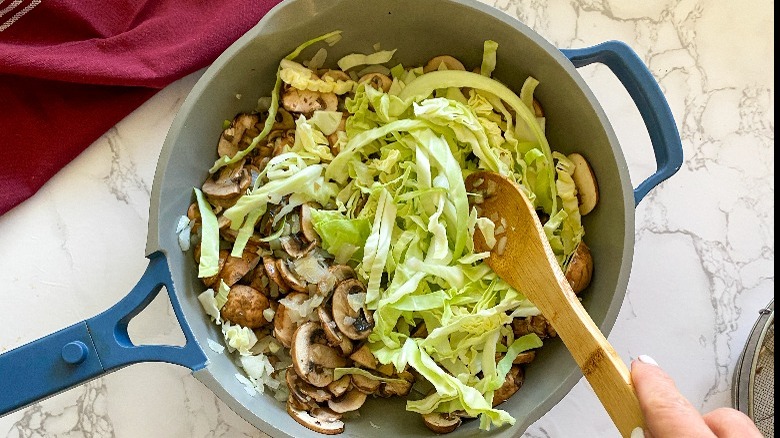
(334, 236)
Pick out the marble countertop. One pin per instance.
(703, 264)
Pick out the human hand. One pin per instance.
(669, 415)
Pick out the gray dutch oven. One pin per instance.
(420, 30)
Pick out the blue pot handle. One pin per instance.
(94, 347)
(648, 97)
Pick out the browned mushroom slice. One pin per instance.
(346, 346)
(319, 424)
(231, 137)
(525, 357)
(440, 422)
(538, 111)
(355, 325)
(331, 331)
(224, 187)
(266, 224)
(377, 80)
(365, 384)
(533, 324)
(395, 387)
(351, 401)
(269, 263)
(364, 358)
(296, 247)
(284, 326)
(307, 101)
(299, 398)
(245, 307)
(290, 278)
(585, 181)
(580, 269)
(340, 386)
(448, 61)
(312, 359)
(307, 228)
(386, 369)
(213, 281)
(317, 394)
(284, 120)
(337, 75)
(336, 274)
(512, 382)
(236, 267)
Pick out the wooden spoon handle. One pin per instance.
(600, 364)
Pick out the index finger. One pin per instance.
(667, 412)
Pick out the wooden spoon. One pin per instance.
(523, 258)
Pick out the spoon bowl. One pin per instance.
(521, 256)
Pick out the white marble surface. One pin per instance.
(704, 255)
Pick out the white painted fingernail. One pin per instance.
(638, 432)
(647, 359)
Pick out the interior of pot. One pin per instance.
(419, 30)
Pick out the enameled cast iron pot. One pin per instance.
(419, 30)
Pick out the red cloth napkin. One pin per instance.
(71, 69)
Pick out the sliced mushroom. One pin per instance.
(213, 281)
(337, 75)
(289, 277)
(441, 422)
(237, 267)
(266, 224)
(448, 61)
(386, 369)
(284, 120)
(377, 80)
(364, 358)
(283, 142)
(306, 226)
(298, 397)
(284, 326)
(320, 424)
(580, 269)
(346, 346)
(269, 263)
(312, 359)
(307, 101)
(538, 111)
(317, 394)
(326, 414)
(336, 274)
(351, 401)
(585, 181)
(365, 384)
(224, 187)
(340, 386)
(512, 382)
(332, 332)
(245, 306)
(229, 141)
(355, 325)
(533, 324)
(401, 385)
(525, 357)
(296, 247)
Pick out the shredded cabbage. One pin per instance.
(393, 205)
(209, 241)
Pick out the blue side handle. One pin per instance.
(648, 97)
(94, 347)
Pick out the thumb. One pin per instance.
(667, 412)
